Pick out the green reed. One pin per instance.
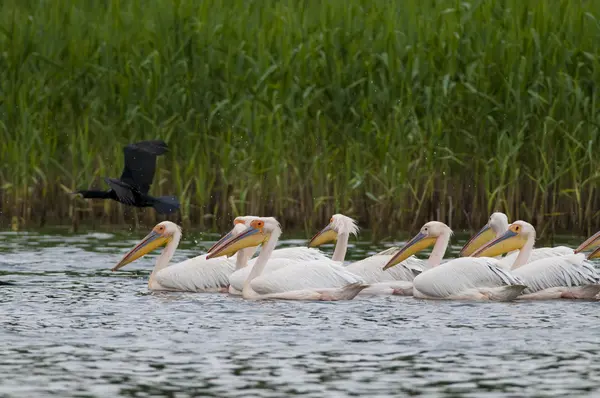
(393, 112)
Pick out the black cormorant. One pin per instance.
(133, 186)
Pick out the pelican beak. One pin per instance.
(420, 242)
(594, 254)
(485, 235)
(591, 243)
(324, 236)
(238, 227)
(220, 241)
(505, 243)
(152, 241)
(249, 238)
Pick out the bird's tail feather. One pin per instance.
(165, 204)
(505, 293)
(347, 292)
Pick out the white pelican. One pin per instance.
(569, 276)
(498, 225)
(279, 258)
(197, 274)
(315, 280)
(458, 279)
(391, 281)
(244, 262)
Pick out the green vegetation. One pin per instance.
(396, 112)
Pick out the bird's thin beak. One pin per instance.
(505, 243)
(418, 243)
(590, 243)
(324, 236)
(594, 254)
(249, 238)
(151, 242)
(485, 235)
(238, 227)
(220, 241)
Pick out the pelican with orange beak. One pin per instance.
(498, 225)
(323, 280)
(568, 276)
(197, 274)
(463, 278)
(397, 280)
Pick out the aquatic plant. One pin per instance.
(393, 112)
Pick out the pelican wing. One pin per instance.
(536, 254)
(371, 269)
(312, 275)
(197, 274)
(240, 276)
(279, 258)
(558, 271)
(461, 274)
(299, 254)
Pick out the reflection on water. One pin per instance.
(71, 327)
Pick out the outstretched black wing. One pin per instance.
(123, 190)
(140, 163)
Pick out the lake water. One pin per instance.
(71, 327)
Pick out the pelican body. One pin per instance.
(397, 280)
(569, 276)
(279, 258)
(324, 279)
(459, 279)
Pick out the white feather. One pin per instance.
(280, 258)
(463, 274)
(197, 274)
(321, 274)
(537, 254)
(558, 271)
(371, 269)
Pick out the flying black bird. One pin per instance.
(133, 186)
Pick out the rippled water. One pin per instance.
(71, 327)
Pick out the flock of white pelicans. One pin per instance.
(305, 273)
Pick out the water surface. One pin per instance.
(71, 327)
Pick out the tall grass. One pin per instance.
(396, 112)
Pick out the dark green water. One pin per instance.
(71, 327)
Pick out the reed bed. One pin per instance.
(394, 112)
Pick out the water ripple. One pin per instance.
(70, 327)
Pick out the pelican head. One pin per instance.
(517, 235)
(427, 236)
(591, 243)
(239, 225)
(496, 225)
(258, 232)
(338, 224)
(160, 235)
